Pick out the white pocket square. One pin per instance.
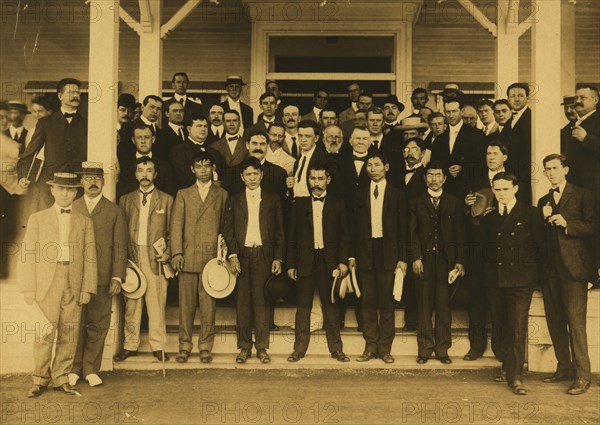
(519, 224)
(160, 211)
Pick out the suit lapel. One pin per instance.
(210, 199)
(99, 206)
(427, 201)
(514, 215)
(564, 199)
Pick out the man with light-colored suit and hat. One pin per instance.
(196, 222)
(147, 211)
(111, 245)
(60, 279)
(253, 230)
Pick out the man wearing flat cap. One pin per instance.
(234, 85)
(111, 245)
(60, 280)
(17, 111)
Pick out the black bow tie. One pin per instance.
(65, 211)
(556, 189)
(232, 138)
(360, 158)
(321, 199)
(412, 170)
(70, 114)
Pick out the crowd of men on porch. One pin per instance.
(436, 196)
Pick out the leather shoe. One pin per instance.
(518, 388)
(243, 355)
(294, 357)
(124, 355)
(205, 356)
(501, 377)
(578, 387)
(422, 359)
(263, 356)
(158, 355)
(471, 356)
(366, 356)
(445, 360)
(36, 390)
(388, 358)
(340, 356)
(66, 388)
(183, 356)
(557, 377)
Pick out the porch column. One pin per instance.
(567, 46)
(103, 89)
(151, 45)
(546, 91)
(507, 47)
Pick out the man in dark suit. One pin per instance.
(110, 230)
(217, 129)
(485, 111)
(171, 134)
(143, 140)
(460, 149)
(379, 250)
(62, 135)
(151, 112)
(191, 105)
(197, 220)
(254, 233)
(519, 142)
(392, 108)
(268, 105)
(411, 180)
(437, 238)
(351, 164)
(513, 238)
(234, 85)
(318, 244)
(571, 226)
(419, 99)
(197, 127)
(231, 147)
(320, 100)
(17, 112)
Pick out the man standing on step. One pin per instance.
(253, 231)
(571, 227)
(318, 244)
(195, 226)
(437, 238)
(147, 211)
(378, 251)
(111, 245)
(60, 280)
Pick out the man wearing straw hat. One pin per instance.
(111, 245)
(58, 271)
(147, 212)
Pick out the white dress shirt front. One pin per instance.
(377, 208)
(253, 198)
(64, 228)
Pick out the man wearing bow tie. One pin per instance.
(217, 129)
(231, 147)
(62, 135)
(571, 227)
(60, 281)
(351, 164)
(268, 105)
(148, 211)
(191, 105)
(197, 127)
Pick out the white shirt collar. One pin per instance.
(175, 127)
(268, 121)
(147, 121)
(456, 128)
(518, 115)
(319, 197)
(580, 120)
(201, 186)
(316, 111)
(355, 106)
(179, 97)
(309, 153)
(217, 129)
(150, 189)
(17, 130)
(253, 193)
(561, 187)
(233, 102)
(91, 202)
(381, 183)
(435, 194)
(414, 167)
(360, 155)
(140, 155)
(196, 143)
(64, 111)
(491, 173)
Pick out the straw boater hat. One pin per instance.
(135, 284)
(65, 180)
(451, 90)
(217, 278)
(412, 123)
(234, 79)
(19, 106)
(92, 168)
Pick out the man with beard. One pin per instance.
(171, 134)
(419, 99)
(354, 91)
(217, 129)
(276, 154)
(333, 139)
(469, 115)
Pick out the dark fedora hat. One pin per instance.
(127, 100)
(393, 99)
(278, 288)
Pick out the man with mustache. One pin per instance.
(392, 108)
(333, 139)
(110, 230)
(291, 117)
(62, 135)
(276, 154)
(419, 99)
(254, 232)
(217, 129)
(147, 211)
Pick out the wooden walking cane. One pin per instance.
(162, 319)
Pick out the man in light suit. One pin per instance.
(60, 282)
(571, 227)
(62, 135)
(147, 211)
(347, 114)
(111, 245)
(320, 100)
(253, 231)
(196, 222)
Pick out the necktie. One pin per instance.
(294, 147)
(435, 200)
(145, 196)
(181, 135)
(143, 159)
(376, 191)
(504, 212)
(302, 164)
(387, 128)
(321, 199)
(554, 189)
(515, 113)
(70, 114)
(553, 192)
(485, 129)
(376, 144)
(65, 211)
(411, 170)
(16, 137)
(232, 138)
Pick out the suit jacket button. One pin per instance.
(499, 264)
(499, 234)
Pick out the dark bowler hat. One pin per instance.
(278, 288)
(65, 180)
(569, 100)
(393, 99)
(89, 168)
(127, 100)
(18, 106)
(234, 79)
